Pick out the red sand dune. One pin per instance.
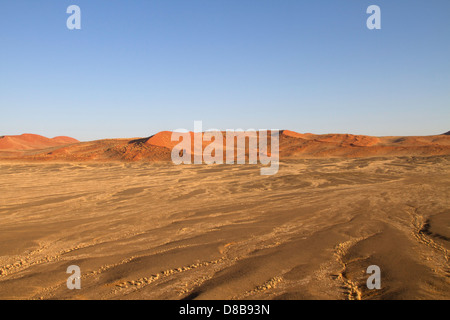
(159, 146)
(65, 140)
(161, 139)
(32, 142)
(294, 134)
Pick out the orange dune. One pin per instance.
(65, 140)
(32, 142)
(360, 146)
(294, 134)
(162, 139)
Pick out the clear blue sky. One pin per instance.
(141, 66)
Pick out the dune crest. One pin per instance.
(162, 139)
(64, 139)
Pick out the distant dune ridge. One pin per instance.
(29, 141)
(158, 147)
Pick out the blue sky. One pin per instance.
(138, 67)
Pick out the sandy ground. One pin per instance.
(159, 231)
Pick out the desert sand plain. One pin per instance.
(153, 230)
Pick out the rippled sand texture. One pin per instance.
(158, 231)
